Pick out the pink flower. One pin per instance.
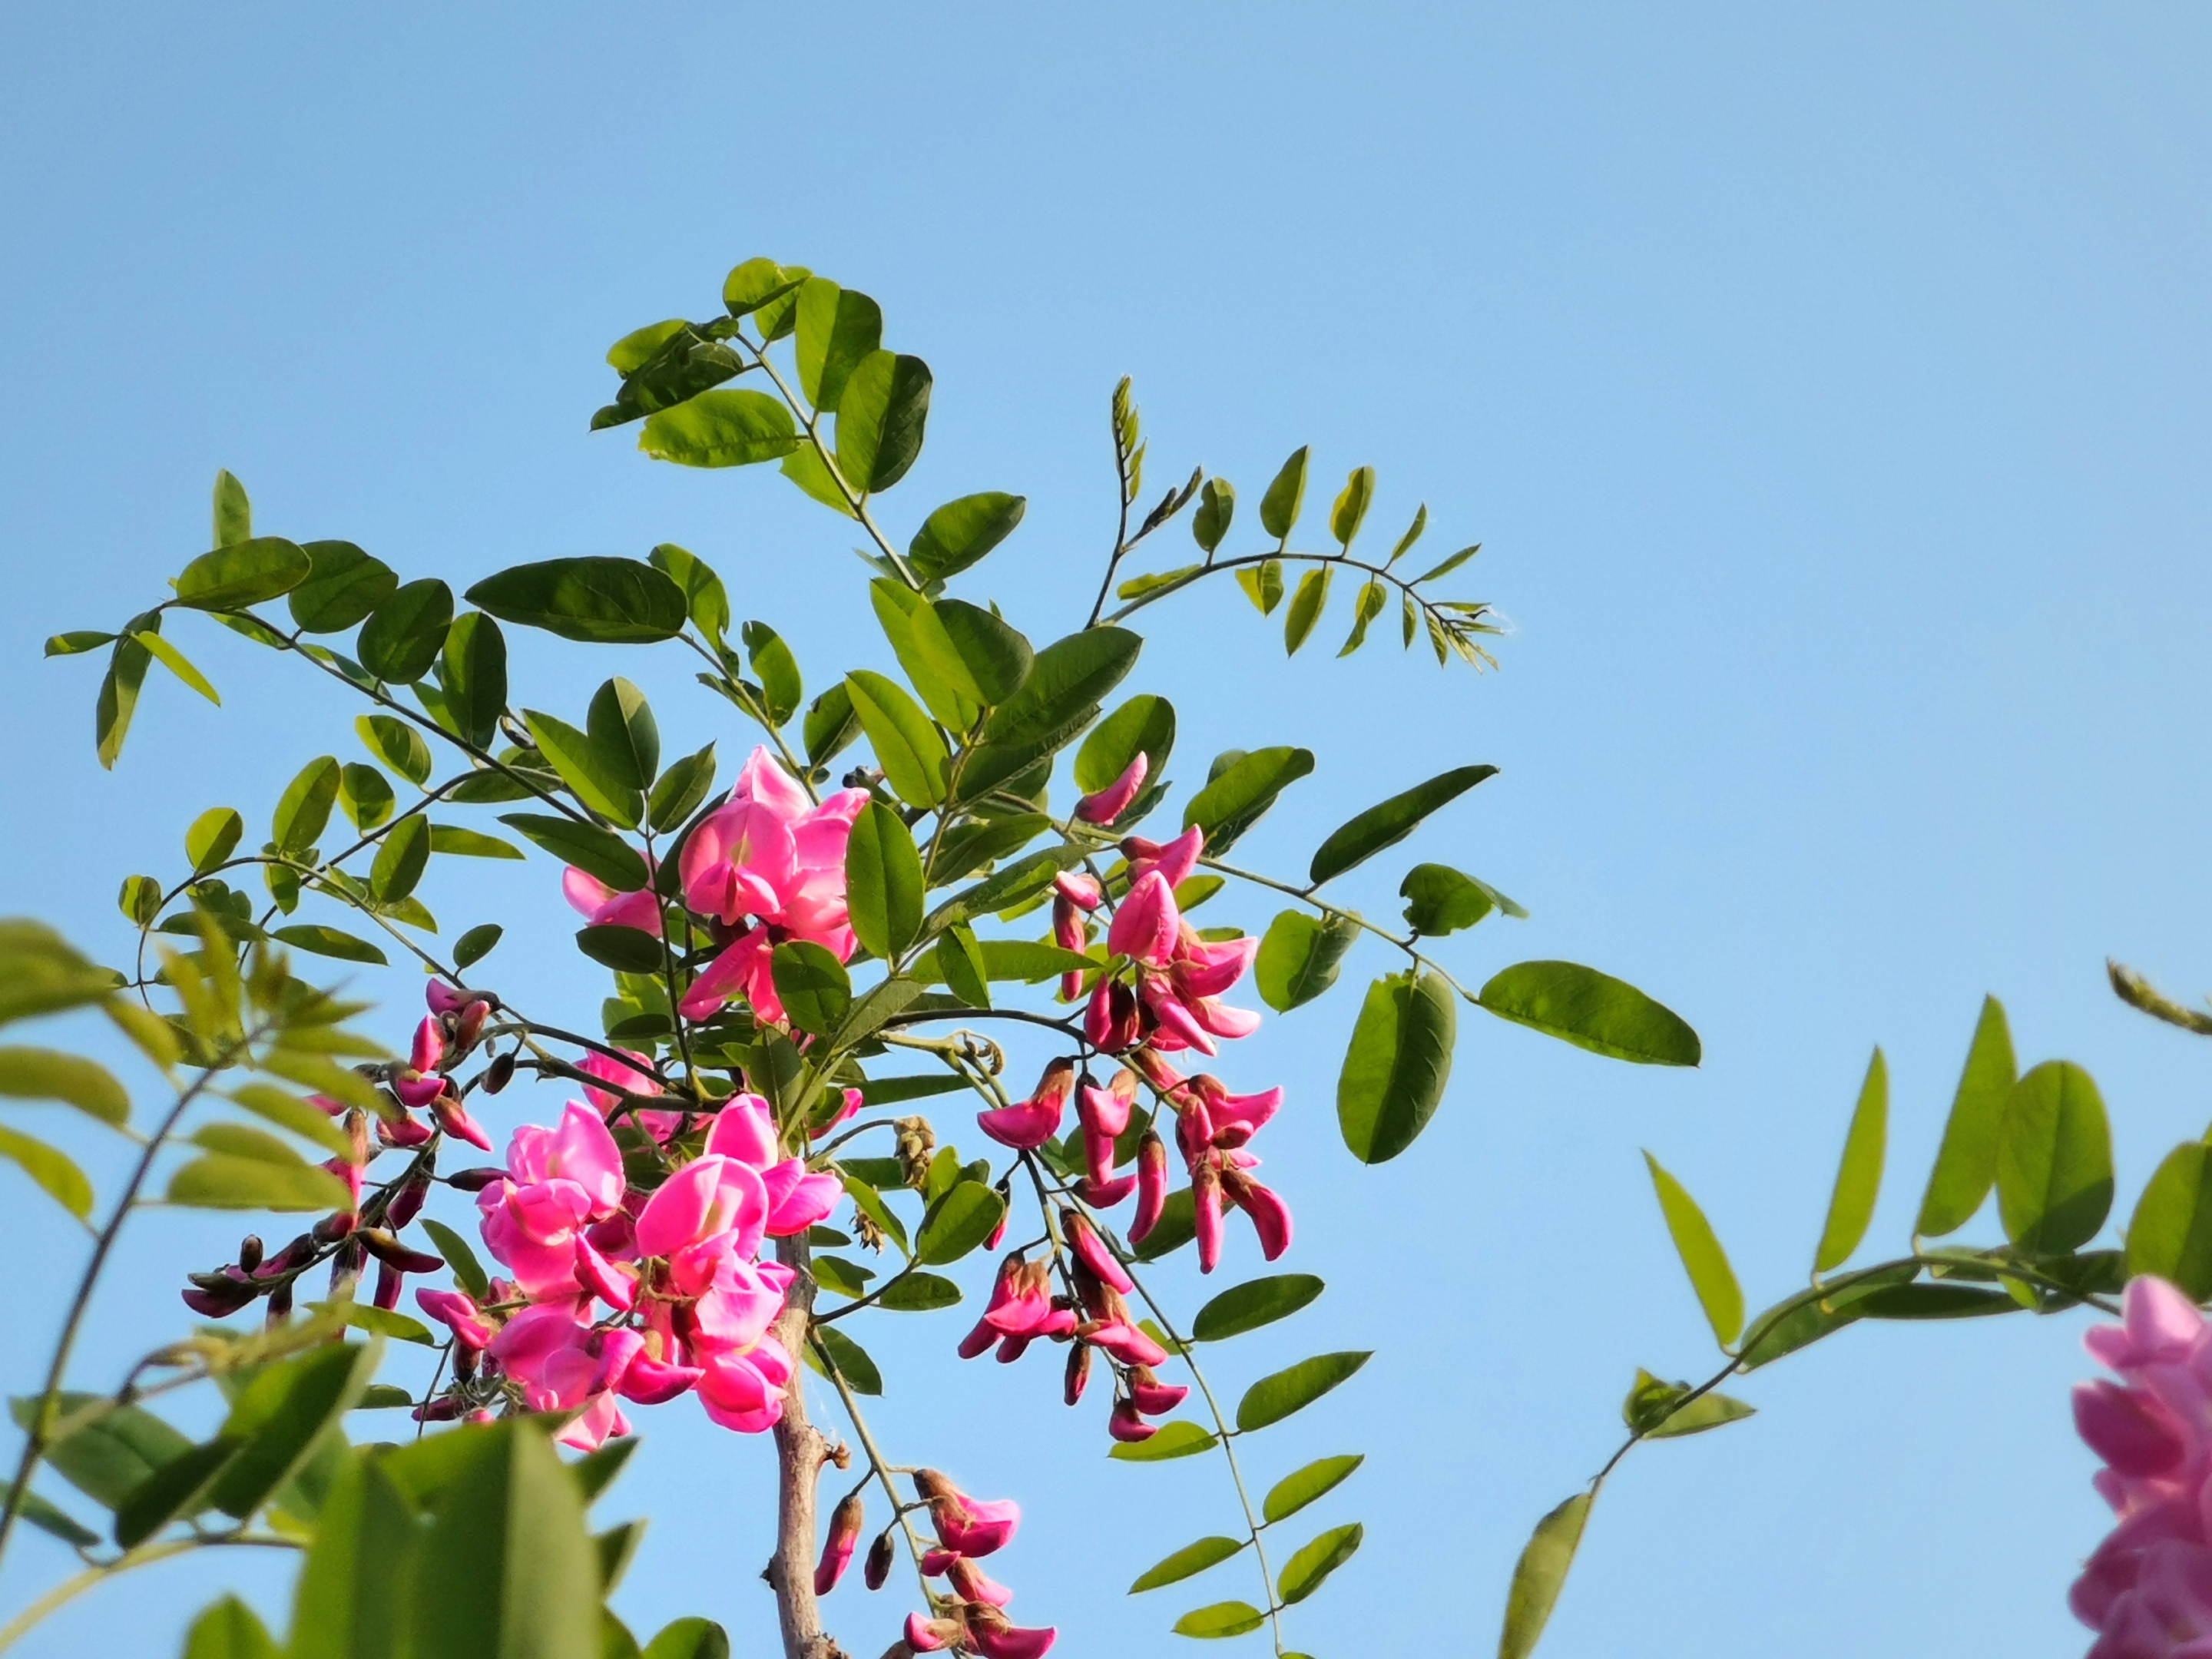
(1033, 1122)
(1151, 1186)
(770, 864)
(1020, 1310)
(1126, 1424)
(562, 1367)
(454, 1118)
(1151, 1396)
(744, 1129)
(837, 1543)
(460, 1315)
(559, 1181)
(1107, 805)
(602, 907)
(991, 1635)
(1092, 1251)
(967, 1525)
(850, 1110)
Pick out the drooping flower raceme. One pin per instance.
(2147, 1589)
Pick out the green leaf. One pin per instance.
(689, 1638)
(959, 960)
(56, 1177)
(1175, 1228)
(118, 698)
(1307, 604)
(397, 744)
(290, 1112)
(906, 745)
(755, 283)
(403, 636)
(960, 532)
(1145, 725)
(472, 674)
(834, 1273)
(1858, 1178)
(2171, 1233)
(305, 807)
(680, 790)
(918, 1292)
(1031, 962)
(213, 837)
(596, 852)
(233, 511)
(1442, 900)
(47, 1074)
(1221, 1618)
(883, 882)
(109, 1456)
(330, 942)
(1274, 1397)
(221, 1180)
(1413, 534)
(957, 1223)
(1395, 1070)
(471, 843)
(1186, 1563)
(1538, 1575)
(598, 601)
(830, 723)
(873, 1006)
(177, 664)
(1703, 1259)
(994, 657)
(245, 572)
(925, 654)
(1305, 1571)
(1299, 957)
(343, 587)
(705, 600)
(1303, 1486)
(782, 690)
(59, 1522)
(1154, 581)
(400, 860)
(1262, 584)
(468, 1271)
(281, 1414)
(1933, 1302)
(1255, 1303)
(1279, 508)
(850, 1358)
(386, 1322)
(1216, 505)
(1592, 1011)
(625, 949)
(1391, 821)
(365, 794)
(178, 1487)
(880, 417)
(1366, 609)
(1655, 1409)
(624, 738)
(1180, 1438)
(1234, 800)
(476, 944)
(715, 428)
(1967, 1164)
(804, 467)
(140, 900)
(2054, 1160)
(1449, 565)
(507, 1570)
(812, 983)
(75, 643)
(589, 771)
(837, 328)
(1351, 504)
(1069, 678)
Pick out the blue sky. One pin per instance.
(1829, 391)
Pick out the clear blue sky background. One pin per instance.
(1829, 392)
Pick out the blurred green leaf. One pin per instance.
(1539, 1574)
(118, 698)
(109, 1456)
(1216, 505)
(48, 1074)
(1262, 584)
(365, 794)
(233, 511)
(2171, 1233)
(470, 843)
(918, 1292)
(213, 837)
(177, 664)
(56, 1175)
(476, 944)
(219, 1181)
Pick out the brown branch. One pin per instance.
(800, 1451)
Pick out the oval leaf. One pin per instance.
(883, 881)
(56, 1176)
(960, 532)
(1537, 1577)
(917, 1293)
(1703, 1259)
(1301, 1487)
(715, 428)
(2170, 1232)
(958, 1221)
(1305, 1571)
(2054, 1160)
(1233, 800)
(1390, 822)
(1274, 1398)
(1177, 1439)
(330, 942)
(1299, 957)
(1221, 1618)
(47, 1074)
(881, 415)
(1257, 1302)
(1858, 1178)
(245, 573)
(1396, 1068)
(1592, 1011)
(1186, 1563)
(599, 601)
(595, 851)
(343, 585)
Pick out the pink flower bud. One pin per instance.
(475, 1180)
(429, 1054)
(838, 1544)
(929, 1635)
(454, 1118)
(1151, 1186)
(1151, 1396)
(1271, 1217)
(1079, 889)
(407, 1203)
(1078, 1372)
(444, 999)
(990, 1634)
(1110, 1020)
(974, 1584)
(2132, 1430)
(388, 1280)
(1205, 1213)
(876, 1569)
(1092, 1249)
(1105, 806)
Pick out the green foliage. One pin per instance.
(1248, 1306)
(961, 532)
(1703, 1259)
(404, 636)
(2054, 1160)
(1967, 1164)
(598, 601)
(1592, 1011)
(1396, 1068)
(1538, 1575)
(1305, 1571)
(1186, 1563)
(1274, 1397)
(1390, 822)
(1858, 1179)
(1172, 1440)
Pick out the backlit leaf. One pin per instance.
(1186, 1563)
(2054, 1160)
(403, 636)
(725, 428)
(1303, 1486)
(1398, 1064)
(343, 587)
(48, 1074)
(881, 415)
(961, 532)
(2171, 1233)
(1592, 1011)
(1221, 1618)
(1858, 1178)
(1180, 1438)
(1966, 1163)
(1390, 822)
(597, 600)
(1287, 494)
(1538, 1575)
(56, 1175)
(1275, 1397)
(1307, 604)
(1703, 1259)
(1305, 1571)
(245, 573)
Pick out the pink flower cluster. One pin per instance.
(2147, 1590)
(973, 1615)
(687, 1302)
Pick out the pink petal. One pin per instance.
(1146, 925)
(1109, 804)
(1030, 1124)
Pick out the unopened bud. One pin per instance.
(878, 1567)
(1078, 1372)
(280, 1303)
(475, 1180)
(334, 1227)
(917, 1144)
(468, 1024)
(388, 1280)
(837, 1546)
(407, 1203)
(249, 1253)
(499, 1073)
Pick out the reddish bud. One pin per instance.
(475, 1180)
(334, 1227)
(407, 1203)
(1152, 1185)
(388, 1280)
(280, 1303)
(1127, 1424)
(837, 1545)
(1078, 1372)
(499, 1073)
(249, 1253)
(878, 1567)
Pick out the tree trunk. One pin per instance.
(800, 1451)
